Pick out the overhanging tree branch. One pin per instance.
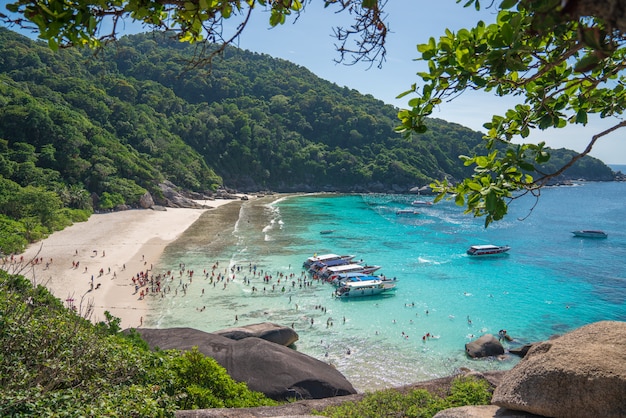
(543, 180)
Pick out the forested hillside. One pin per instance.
(84, 131)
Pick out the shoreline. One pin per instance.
(90, 265)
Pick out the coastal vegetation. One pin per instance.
(80, 132)
(54, 362)
(418, 403)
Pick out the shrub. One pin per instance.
(12, 236)
(110, 200)
(207, 385)
(418, 403)
(55, 363)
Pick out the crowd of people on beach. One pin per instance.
(148, 285)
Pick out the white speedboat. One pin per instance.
(321, 265)
(341, 279)
(325, 257)
(421, 203)
(348, 268)
(363, 288)
(587, 233)
(487, 250)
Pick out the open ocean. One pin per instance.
(549, 283)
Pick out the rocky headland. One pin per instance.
(579, 374)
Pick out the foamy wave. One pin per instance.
(423, 260)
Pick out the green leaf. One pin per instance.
(275, 18)
(587, 63)
(507, 4)
(581, 117)
(475, 186)
(506, 30)
(482, 161)
(526, 166)
(542, 157)
(491, 201)
(53, 44)
(369, 4)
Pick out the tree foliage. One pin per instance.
(565, 67)
(81, 23)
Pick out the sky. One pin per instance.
(309, 42)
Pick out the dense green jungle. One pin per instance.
(83, 131)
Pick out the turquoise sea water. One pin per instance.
(549, 283)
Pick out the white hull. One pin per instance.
(325, 258)
(350, 268)
(487, 250)
(357, 290)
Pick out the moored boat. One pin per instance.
(589, 233)
(421, 203)
(325, 257)
(341, 279)
(348, 268)
(487, 250)
(363, 288)
(320, 265)
(407, 212)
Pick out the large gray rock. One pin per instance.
(174, 199)
(485, 346)
(277, 371)
(146, 201)
(268, 331)
(580, 374)
(521, 350)
(482, 411)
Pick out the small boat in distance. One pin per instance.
(588, 233)
(421, 203)
(327, 231)
(488, 249)
(407, 212)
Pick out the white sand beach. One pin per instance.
(92, 263)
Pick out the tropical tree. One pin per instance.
(563, 59)
(83, 22)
